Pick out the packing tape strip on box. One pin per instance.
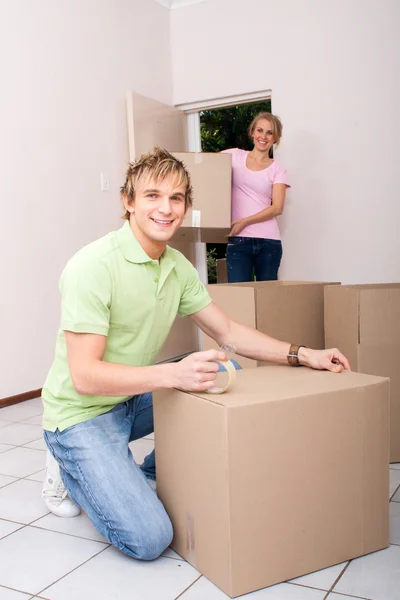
(230, 369)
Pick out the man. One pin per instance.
(120, 296)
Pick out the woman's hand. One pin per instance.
(237, 227)
(330, 360)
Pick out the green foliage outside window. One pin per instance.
(212, 264)
(228, 127)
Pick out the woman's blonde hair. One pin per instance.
(276, 125)
(158, 165)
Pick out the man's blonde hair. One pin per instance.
(156, 165)
(276, 125)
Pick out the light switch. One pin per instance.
(104, 182)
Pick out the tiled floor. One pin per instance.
(43, 556)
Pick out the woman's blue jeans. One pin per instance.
(246, 257)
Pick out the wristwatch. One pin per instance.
(293, 356)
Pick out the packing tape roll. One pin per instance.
(230, 369)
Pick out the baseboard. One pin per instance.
(20, 398)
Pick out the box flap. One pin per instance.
(379, 315)
(279, 282)
(274, 383)
(372, 286)
(292, 312)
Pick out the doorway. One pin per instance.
(220, 129)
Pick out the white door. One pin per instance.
(152, 123)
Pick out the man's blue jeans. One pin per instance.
(247, 256)
(100, 474)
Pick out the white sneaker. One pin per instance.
(54, 493)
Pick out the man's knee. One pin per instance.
(151, 540)
(156, 541)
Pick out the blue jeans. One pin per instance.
(245, 256)
(100, 474)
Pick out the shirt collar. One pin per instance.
(133, 251)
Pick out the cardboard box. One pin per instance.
(285, 474)
(364, 322)
(292, 311)
(211, 176)
(222, 275)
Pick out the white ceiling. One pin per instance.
(173, 4)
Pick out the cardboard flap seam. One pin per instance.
(212, 399)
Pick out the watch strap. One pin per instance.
(293, 355)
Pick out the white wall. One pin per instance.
(65, 68)
(334, 70)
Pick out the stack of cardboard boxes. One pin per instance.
(292, 311)
(287, 472)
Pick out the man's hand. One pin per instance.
(197, 372)
(237, 227)
(330, 360)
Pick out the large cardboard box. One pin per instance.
(292, 311)
(364, 322)
(210, 218)
(285, 474)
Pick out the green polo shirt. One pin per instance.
(113, 288)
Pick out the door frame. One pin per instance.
(193, 110)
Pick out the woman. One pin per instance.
(258, 196)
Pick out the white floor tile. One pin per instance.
(395, 524)
(396, 497)
(149, 437)
(395, 465)
(394, 477)
(3, 423)
(20, 412)
(37, 445)
(7, 594)
(33, 558)
(39, 476)
(38, 420)
(5, 447)
(17, 434)
(21, 462)
(374, 576)
(5, 480)
(79, 526)
(38, 402)
(141, 448)
(333, 596)
(172, 554)
(323, 579)
(111, 574)
(7, 527)
(203, 589)
(22, 502)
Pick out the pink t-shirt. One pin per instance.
(252, 192)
